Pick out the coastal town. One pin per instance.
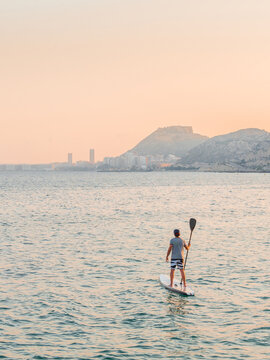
(126, 162)
(175, 148)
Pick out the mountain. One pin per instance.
(243, 150)
(175, 140)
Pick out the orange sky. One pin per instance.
(77, 74)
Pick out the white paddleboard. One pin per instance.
(177, 287)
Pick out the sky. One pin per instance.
(103, 74)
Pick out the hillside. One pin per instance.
(243, 150)
(176, 140)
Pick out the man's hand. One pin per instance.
(168, 253)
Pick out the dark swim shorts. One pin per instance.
(177, 263)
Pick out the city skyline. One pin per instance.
(71, 159)
(76, 73)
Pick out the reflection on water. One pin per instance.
(177, 304)
(81, 256)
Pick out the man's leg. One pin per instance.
(172, 276)
(182, 271)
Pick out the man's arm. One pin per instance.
(168, 252)
(187, 247)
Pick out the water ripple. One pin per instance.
(81, 255)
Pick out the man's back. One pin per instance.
(177, 248)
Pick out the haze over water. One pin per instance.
(81, 255)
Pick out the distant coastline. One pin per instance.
(177, 148)
(168, 169)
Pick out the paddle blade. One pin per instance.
(192, 224)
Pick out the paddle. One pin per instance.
(192, 224)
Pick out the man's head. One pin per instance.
(176, 232)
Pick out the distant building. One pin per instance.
(92, 156)
(70, 159)
(11, 167)
(26, 167)
(106, 160)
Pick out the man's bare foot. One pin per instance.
(171, 285)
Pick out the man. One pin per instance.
(177, 247)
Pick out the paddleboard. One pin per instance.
(177, 287)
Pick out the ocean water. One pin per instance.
(81, 255)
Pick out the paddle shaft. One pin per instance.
(191, 231)
(188, 250)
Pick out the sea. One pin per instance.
(81, 254)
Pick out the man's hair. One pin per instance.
(176, 232)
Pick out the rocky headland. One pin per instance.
(171, 140)
(240, 151)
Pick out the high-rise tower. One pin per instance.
(70, 159)
(92, 156)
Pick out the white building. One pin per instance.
(92, 156)
(70, 159)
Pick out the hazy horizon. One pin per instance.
(97, 159)
(105, 74)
